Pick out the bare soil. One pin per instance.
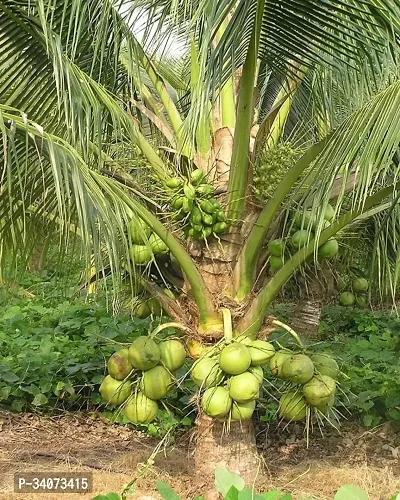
(115, 455)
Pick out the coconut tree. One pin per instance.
(82, 101)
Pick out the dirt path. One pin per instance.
(116, 454)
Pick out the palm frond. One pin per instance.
(305, 32)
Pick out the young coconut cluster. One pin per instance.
(194, 203)
(312, 383)
(143, 305)
(141, 375)
(146, 247)
(354, 293)
(304, 223)
(231, 376)
(146, 243)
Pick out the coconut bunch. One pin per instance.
(354, 292)
(143, 306)
(304, 224)
(229, 377)
(193, 202)
(311, 380)
(146, 243)
(141, 375)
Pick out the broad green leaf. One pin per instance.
(350, 492)
(249, 494)
(166, 491)
(232, 494)
(39, 399)
(224, 480)
(9, 377)
(271, 495)
(4, 393)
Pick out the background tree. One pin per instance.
(80, 96)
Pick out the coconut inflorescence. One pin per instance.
(141, 375)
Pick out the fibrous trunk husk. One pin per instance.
(233, 449)
(306, 318)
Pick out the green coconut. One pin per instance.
(346, 299)
(244, 387)
(172, 354)
(329, 213)
(156, 382)
(327, 406)
(157, 245)
(235, 358)
(242, 411)
(140, 254)
(275, 263)
(329, 249)
(298, 369)
(118, 365)
(140, 409)
(360, 285)
(293, 406)
(300, 238)
(144, 353)
(276, 248)
(154, 306)
(305, 220)
(114, 391)
(326, 365)
(319, 390)
(216, 402)
(362, 301)
(257, 371)
(261, 352)
(206, 372)
(141, 309)
(277, 361)
(139, 231)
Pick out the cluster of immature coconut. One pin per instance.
(305, 223)
(231, 376)
(141, 375)
(313, 383)
(146, 243)
(194, 203)
(357, 295)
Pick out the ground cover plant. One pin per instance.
(232, 487)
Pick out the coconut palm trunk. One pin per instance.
(75, 110)
(306, 318)
(233, 448)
